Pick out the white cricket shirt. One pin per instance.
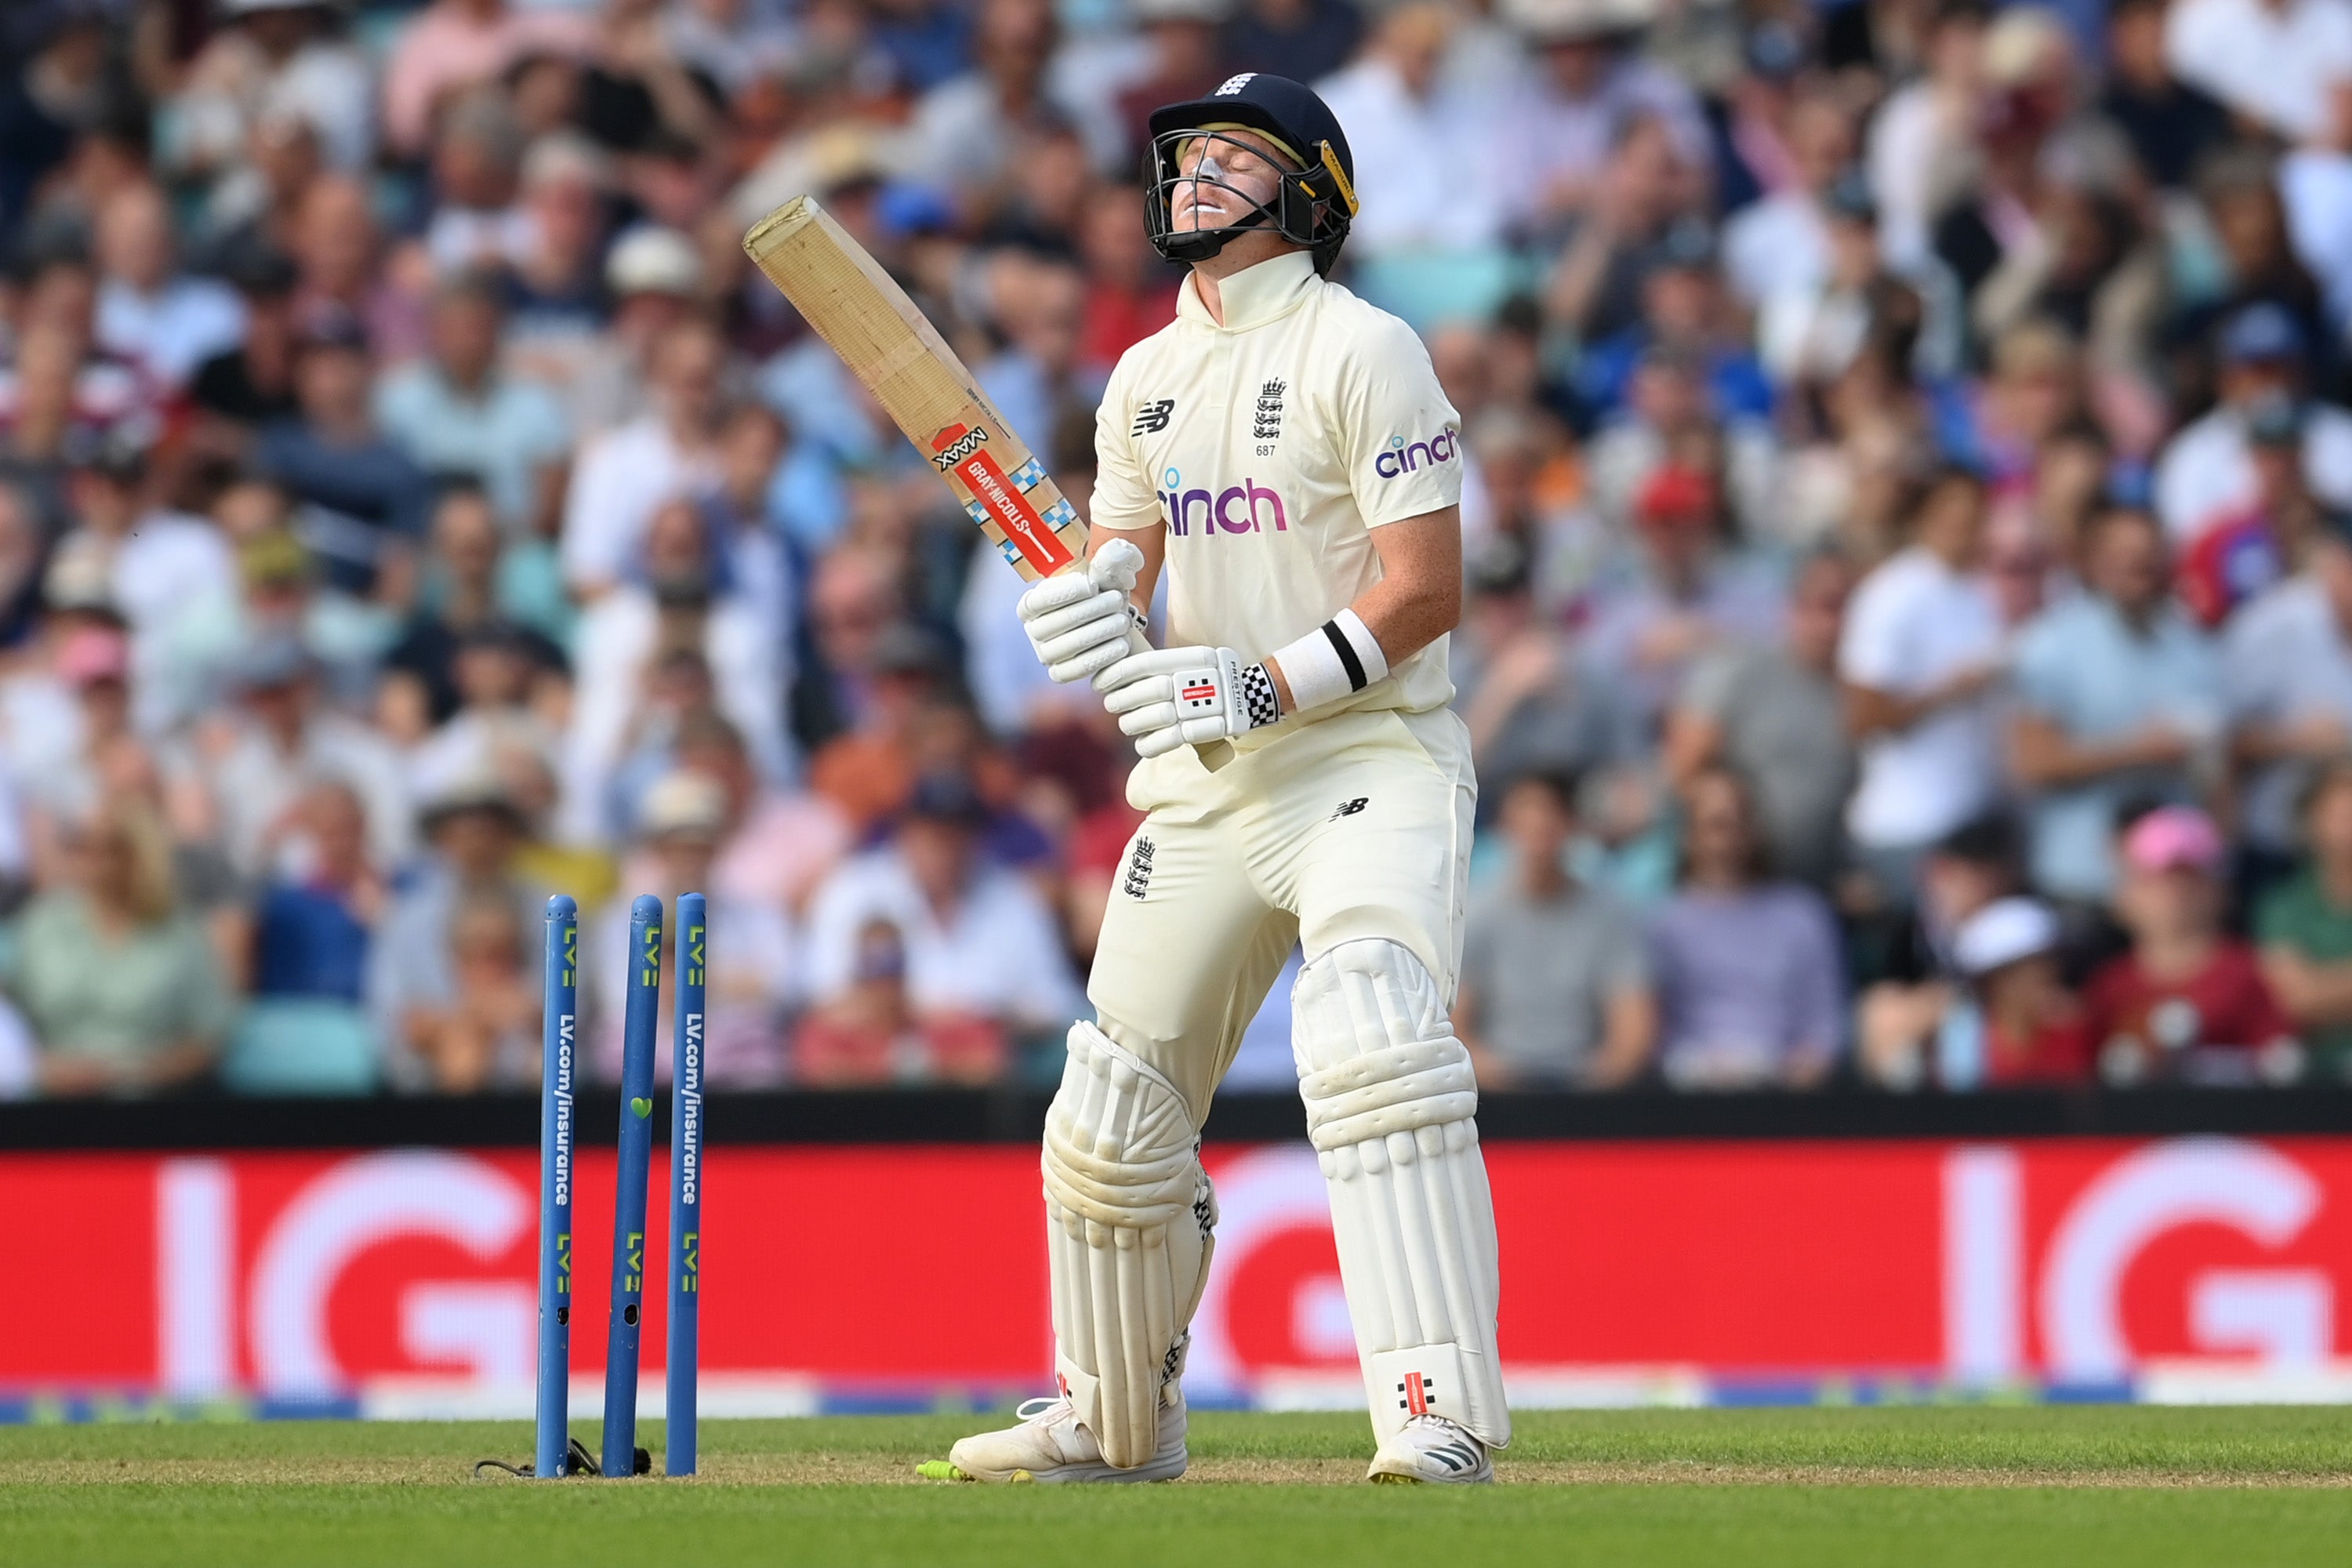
(1267, 448)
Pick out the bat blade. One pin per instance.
(888, 344)
(894, 352)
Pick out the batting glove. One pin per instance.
(1172, 696)
(1080, 621)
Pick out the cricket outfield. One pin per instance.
(2015, 1485)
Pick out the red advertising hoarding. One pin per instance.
(1668, 1264)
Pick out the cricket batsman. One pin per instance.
(1283, 451)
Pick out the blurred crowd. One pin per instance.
(1908, 526)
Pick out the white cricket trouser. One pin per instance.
(1356, 825)
(1349, 837)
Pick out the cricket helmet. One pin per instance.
(1316, 197)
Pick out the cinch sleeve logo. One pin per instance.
(1245, 508)
(1398, 458)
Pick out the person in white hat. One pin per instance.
(1588, 84)
(653, 277)
(751, 967)
(2019, 1024)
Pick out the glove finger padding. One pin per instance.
(1143, 693)
(1086, 639)
(1150, 661)
(1173, 733)
(1091, 661)
(1064, 588)
(1156, 715)
(1158, 742)
(1108, 607)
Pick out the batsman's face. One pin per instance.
(1227, 175)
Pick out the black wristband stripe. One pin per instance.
(1348, 660)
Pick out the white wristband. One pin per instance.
(1338, 657)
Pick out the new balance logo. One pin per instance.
(1151, 418)
(1349, 808)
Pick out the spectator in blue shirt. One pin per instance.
(2119, 696)
(358, 491)
(310, 932)
(1684, 309)
(453, 413)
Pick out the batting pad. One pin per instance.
(1129, 1217)
(1390, 1098)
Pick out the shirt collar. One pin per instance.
(1255, 295)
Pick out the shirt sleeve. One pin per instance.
(1477, 946)
(206, 1010)
(1123, 498)
(1818, 1011)
(2040, 671)
(1870, 653)
(595, 532)
(2251, 669)
(1711, 690)
(2275, 919)
(833, 920)
(1623, 962)
(547, 431)
(1046, 994)
(2103, 1000)
(1400, 437)
(2267, 1020)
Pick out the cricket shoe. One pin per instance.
(1432, 1448)
(1050, 1446)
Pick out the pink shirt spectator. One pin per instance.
(456, 43)
(786, 845)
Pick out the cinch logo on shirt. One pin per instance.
(1400, 458)
(1244, 507)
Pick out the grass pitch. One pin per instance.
(1752, 1489)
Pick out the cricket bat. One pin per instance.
(892, 348)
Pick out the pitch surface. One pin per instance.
(1818, 1487)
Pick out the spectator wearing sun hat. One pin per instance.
(750, 952)
(2016, 1023)
(653, 279)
